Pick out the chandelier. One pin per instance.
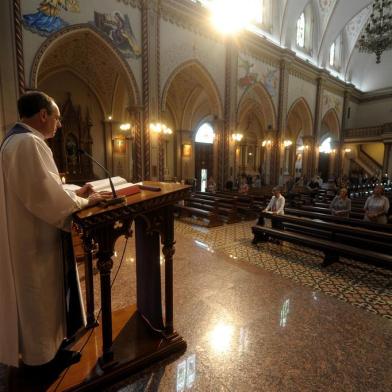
(377, 35)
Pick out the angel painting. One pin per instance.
(118, 28)
(46, 20)
(249, 78)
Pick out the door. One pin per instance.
(203, 161)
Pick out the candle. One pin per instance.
(63, 179)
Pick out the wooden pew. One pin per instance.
(327, 211)
(338, 219)
(211, 216)
(333, 239)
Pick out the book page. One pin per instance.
(104, 185)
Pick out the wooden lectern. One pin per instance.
(141, 336)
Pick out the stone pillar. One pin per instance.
(153, 149)
(307, 156)
(340, 154)
(387, 162)
(231, 77)
(12, 64)
(313, 159)
(276, 156)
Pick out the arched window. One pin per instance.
(335, 54)
(301, 31)
(305, 27)
(258, 7)
(326, 146)
(205, 134)
(332, 55)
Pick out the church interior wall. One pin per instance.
(253, 70)
(298, 88)
(374, 150)
(178, 45)
(373, 113)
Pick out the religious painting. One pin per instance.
(249, 78)
(118, 28)
(270, 81)
(46, 20)
(186, 150)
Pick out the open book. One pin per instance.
(122, 187)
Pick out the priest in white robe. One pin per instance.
(33, 207)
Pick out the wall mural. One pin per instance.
(118, 28)
(46, 20)
(269, 79)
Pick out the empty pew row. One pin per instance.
(333, 239)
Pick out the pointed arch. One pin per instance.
(256, 99)
(331, 122)
(299, 119)
(198, 71)
(77, 30)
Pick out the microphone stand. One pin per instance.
(115, 199)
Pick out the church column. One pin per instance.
(307, 156)
(387, 162)
(11, 66)
(135, 113)
(340, 155)
(226, 160)
(313, 163)
(277, 155)
(153, 149)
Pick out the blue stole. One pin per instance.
(15, 130)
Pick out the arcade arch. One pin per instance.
(190, 98)
(98, 84)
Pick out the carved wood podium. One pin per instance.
(142, 334)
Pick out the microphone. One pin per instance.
(115, 199)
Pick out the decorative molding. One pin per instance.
(19, 46)
(132, 3)
(190, 17)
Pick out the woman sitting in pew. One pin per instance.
(377, 206)
(341, 204)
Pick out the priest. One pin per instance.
(34, 210)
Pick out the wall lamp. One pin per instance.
(237, 137)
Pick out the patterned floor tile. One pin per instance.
(365, 286)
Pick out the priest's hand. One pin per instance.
(85, 191)
(95, 197)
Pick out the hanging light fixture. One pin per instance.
(377, 36)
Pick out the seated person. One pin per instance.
(244, 187)
(276, 204)
(341, 204)
(211, 184)
(377, 206)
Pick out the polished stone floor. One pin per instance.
(249, 329)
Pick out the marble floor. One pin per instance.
(250, 329)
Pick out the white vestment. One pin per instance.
(33, 206)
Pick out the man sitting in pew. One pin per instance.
(377, 206)
(341, 204)
(276, 204)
